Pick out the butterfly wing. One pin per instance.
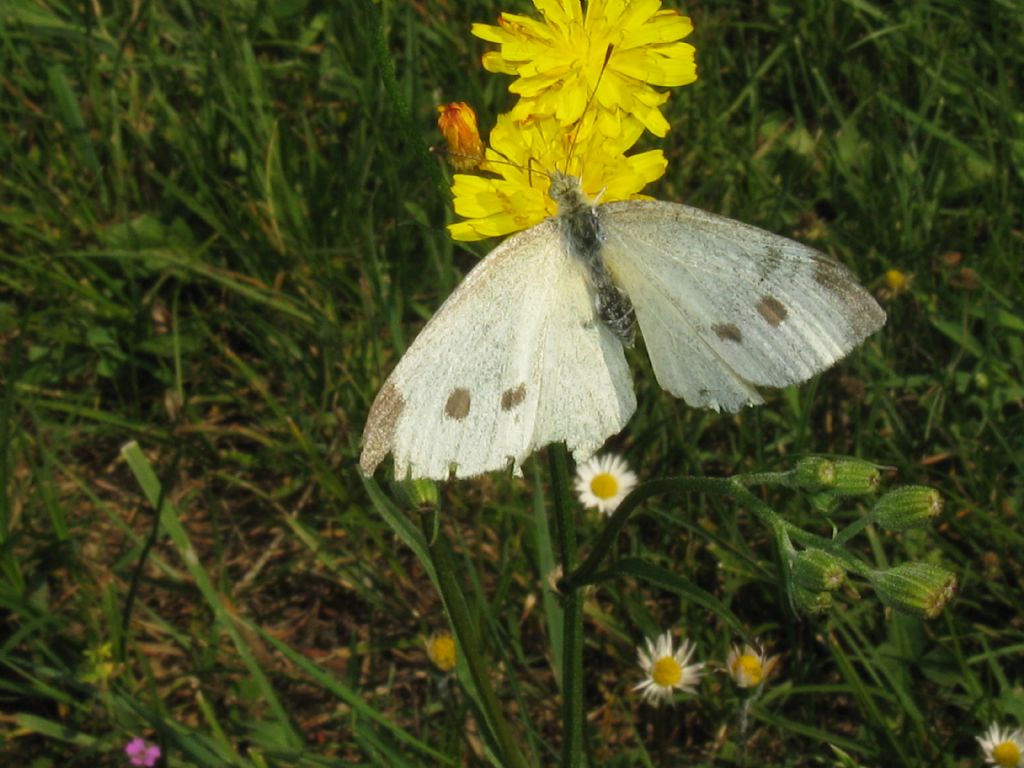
(725, 307)
(513, 360)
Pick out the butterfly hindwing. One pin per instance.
(725, 307)
(513, 360)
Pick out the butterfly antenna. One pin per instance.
(531, 160)
(470, 162)
(590, 100)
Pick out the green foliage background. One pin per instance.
(219, 228)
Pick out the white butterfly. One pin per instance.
(528, 350)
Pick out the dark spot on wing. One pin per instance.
(772, 310)
(457, 406)
(857, 305)
(512, 397)
(727, 332)
(379, 435)
(830, 275)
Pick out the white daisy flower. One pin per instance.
(667, 670)
(750, 666)
(1003, 748)
(603, 482)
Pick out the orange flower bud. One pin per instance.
(457, 122)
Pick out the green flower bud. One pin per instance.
(809, 601)
(917, 589)
(825, 502)
(417, 493)
(911, 507)
(855, 478)
(817, 570)
(815, 473)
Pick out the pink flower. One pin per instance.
(141, 753)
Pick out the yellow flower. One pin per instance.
(896, 281)
(457, 122)
(522, 156)
(560, 61)
(749, 667)
(441, 651)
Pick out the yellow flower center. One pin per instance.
(748, 667)
(667, 672)
(1006, 754)
(604, 485)
(441, 650)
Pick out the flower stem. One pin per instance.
(572, 607)
(469, 642)
(606, 538)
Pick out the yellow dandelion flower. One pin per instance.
(523, 155)
(561, 61)
(457, 122)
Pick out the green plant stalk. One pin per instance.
(413, 133)
(469, 642)
(572, 609)
(785, 530)
(854, 528)
(169, 522)
(136, 579)
(584, 575)
(718, 486)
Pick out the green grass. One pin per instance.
(219, 228)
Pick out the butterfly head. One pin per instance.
(567, 192)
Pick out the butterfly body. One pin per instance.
(528, 350)
(580, 227)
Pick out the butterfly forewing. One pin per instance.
(725, 307)
(513, 360)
